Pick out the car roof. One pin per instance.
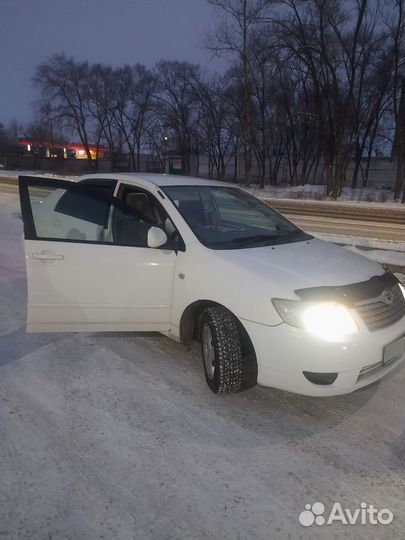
(160, 180)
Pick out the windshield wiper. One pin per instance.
(274, 238)
(255, 238)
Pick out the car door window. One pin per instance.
(147, 206)
(144, 203)
(66, 211)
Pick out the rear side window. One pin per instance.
(79, 206)
(68, 215)
(66, 211)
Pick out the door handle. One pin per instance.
(47, 256)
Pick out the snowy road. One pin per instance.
(117, 436)
(353, 227)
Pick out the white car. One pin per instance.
(199, 259)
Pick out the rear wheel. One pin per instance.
(221, 350)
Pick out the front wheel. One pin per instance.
(221, 350)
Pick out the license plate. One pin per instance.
(393, 351)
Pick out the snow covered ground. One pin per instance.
(4, 173)
(316, 192)
(117, 435)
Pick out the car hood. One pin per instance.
(309, 263)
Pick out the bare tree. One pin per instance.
(100, 104)
(399, 144)
(397, 27)
(176, 104)
(64, 86)
(8, 137)
(234, 36)
(134, 100)
(337, 48)
(214, 131)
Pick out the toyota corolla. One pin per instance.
(204, 260)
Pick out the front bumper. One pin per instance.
(283, 354)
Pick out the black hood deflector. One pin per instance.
(350, 294)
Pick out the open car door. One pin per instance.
(89, 267)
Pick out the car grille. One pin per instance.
(378, 314)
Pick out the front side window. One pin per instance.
(229, 218)
(84, 214)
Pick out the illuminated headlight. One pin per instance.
(328, 320)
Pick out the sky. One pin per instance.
(114, 32)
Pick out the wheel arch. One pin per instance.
(189, 319)
(189, 329)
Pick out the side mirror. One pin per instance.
(156, 237)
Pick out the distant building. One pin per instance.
(30, 147)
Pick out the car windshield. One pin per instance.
(229, 218)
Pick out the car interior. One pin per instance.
(127, 229)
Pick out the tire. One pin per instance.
(221, 350)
